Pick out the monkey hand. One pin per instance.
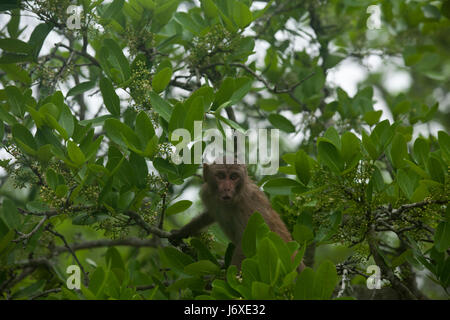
(175, 237)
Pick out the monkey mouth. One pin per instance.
(226, 198)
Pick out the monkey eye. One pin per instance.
(221, 175)
(234, 176)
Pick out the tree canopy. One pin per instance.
(91, 92)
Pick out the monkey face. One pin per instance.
(226, 180)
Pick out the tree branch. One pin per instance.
(150, 229)
(86, 275)
(25, 236)
(132, 242)
(403, 290)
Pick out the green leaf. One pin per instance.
(24, 139)
(16, 73)
(110, 98)
(14, 22)
(29, 290)
(175, 258)
(444, 143)
(195, 113)
(201, 268)
(178, 207)
(333, 136)
(114, 259)
(164, 166)
(92, 148)
(52, 123)
(16, 100)
(16, 46)
(232, 124)
(114, 8)
(210, 8)
(38, 36)
(75, 153)
(421, 151)
(162, 79)
(262, 291)
(329, 156)
(187, 22)
(121, 134)
(178, 117)
(407, 181)
(302, 167)
(224, 93)
(302, 233)
(268, 261)
(51, 178)
(398, 151)
(269, 104)
(203, 251)
(221, 290)
(208, 96)
(2, 131)
(66, 120)
(241, 14)
(256, 227)
(372, 117)
(97, 281)
(61, 190)
(80, 88)
(369, 146)
(10, 214)
(9, 5)
(88, 219)
(160, 106)
(118, 58)
(445, 9)
(144, 128)
(280, 122)
(241, 87)
(435, 169)
(51, 109)
(431, 12)
(8, 57)
(304, 287)
(139, 170)
(325, 280)
(382, 134)
(282, 186)
(350, 150)
(442, 236)
(402, 107)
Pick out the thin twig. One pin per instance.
(132, 242)
(80, 53)
(59, 235)
(44, 293)
(25, 236)
(150, 229)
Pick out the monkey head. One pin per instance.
(225, 180)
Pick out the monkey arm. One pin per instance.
(193, 227)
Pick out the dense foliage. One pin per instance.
(86, 123)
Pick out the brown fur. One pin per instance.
(233, 215)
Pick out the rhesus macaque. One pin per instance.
(230, 198)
